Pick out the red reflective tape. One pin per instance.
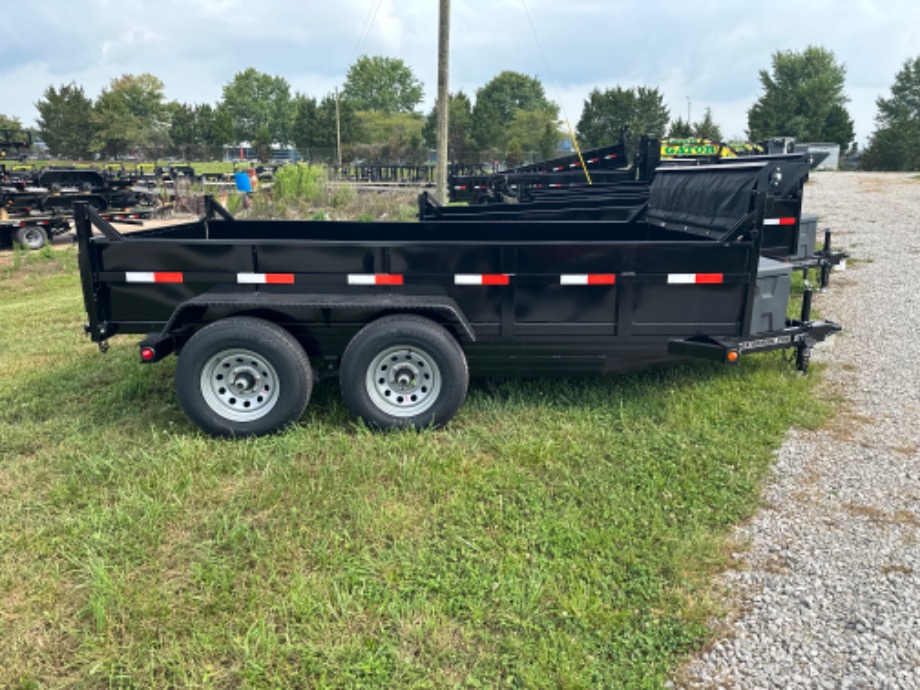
(779, 221)
(167, 277)
(477, 279)
(389, 279)
(588, 279)
(602, 279)
(279, 278)
(708, 278)
(374, 279)
(495, 279)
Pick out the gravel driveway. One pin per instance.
(828, 592)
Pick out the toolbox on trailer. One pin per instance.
(403, 313)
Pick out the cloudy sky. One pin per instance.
(700, 53)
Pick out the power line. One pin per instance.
(552, 77)
(365, 31)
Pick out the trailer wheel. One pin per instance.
(404, 371)
(243, 377)
(31, 237)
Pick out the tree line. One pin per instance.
(509, 118)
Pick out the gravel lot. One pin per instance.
(828, 593)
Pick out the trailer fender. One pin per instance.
(440, 305)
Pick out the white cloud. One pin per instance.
(709, 51)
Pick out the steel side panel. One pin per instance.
(532, 317)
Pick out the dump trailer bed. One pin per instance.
(403, 313)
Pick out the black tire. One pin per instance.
(404, 371)
(267, 374)
(31, 237)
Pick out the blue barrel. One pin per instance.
(242, 182)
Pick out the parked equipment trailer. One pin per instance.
(31, 232)
(403, 313)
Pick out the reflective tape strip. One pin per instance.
(612, 155)
(488, 279)
(590, 279)
(153, 277)
(594, 160)
(265, 278)
(695, 278)
(779, 221)
(374, 279)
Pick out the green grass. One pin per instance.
(558, 534)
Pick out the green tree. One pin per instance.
(13, 124)
(260, 107)
(65, 121)
(642, 109)
(217, 128)
(325, 124)
(382, 84)
(680, 129)
(12, 127)
(536, 131)
(497, 103)
(707, 128)
(803, 98)
(130, 114)
(460, 128)
(184, 134)
(303, 128)
(895, 143)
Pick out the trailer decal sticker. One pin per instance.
(695, 278)
(488, 279)
(374, 279)
(779, 221)
(590, 279)
(153, 277)
(265, 278)
(765, 342)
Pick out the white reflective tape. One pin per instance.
(251, 278)
(140, 277)
(362, 279)
(681, 278)
(573, 280)
(467, 280)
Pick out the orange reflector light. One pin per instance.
(147, 354)
(733, 356)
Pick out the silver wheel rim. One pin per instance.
(403, 381)
(32, 238)
(239, 385)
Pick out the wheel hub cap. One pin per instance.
(403, 381)
(239, 385)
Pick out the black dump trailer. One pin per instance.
(404, 313)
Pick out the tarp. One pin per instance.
(706, 200)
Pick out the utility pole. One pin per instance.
(338, 129)
(688, 109)
(443, 99)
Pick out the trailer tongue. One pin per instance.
(403, 313)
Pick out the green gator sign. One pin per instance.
(690, 150)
